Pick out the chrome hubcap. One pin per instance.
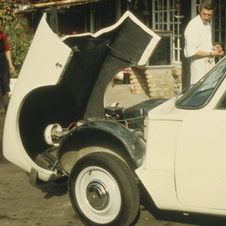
(97, 195)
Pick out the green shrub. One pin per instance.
(18, 34)
(19, 40)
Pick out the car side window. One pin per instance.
(222, 103)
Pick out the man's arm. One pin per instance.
(217, 51)
(9, 59)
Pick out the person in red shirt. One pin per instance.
(6, 66)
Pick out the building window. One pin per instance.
(194, 5)
(219, 23)
(166, 17)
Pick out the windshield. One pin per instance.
(203, 90)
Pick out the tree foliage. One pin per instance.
(16, 27)
(17, 31)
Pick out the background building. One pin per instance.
(167, 71)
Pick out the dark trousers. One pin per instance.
(4, 74)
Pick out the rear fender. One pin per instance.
(98, 136)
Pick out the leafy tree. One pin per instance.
(17, 31)
(19, 36)
(20, 41)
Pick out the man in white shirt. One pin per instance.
(198, 42)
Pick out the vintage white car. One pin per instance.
(57, 126)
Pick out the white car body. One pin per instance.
(186, 172)
(179, 157)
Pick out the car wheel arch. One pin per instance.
(117, 140)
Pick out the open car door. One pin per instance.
(64, 81)
(47, 58)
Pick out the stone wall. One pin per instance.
(156, 82)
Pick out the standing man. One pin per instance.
(198, 42)
(6, 66)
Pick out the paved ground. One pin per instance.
(49, 205)
(121, 93)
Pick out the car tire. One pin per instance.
(103, 191)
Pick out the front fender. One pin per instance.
(97, 132)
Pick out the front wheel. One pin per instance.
(103, 191)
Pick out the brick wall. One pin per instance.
(156, 82)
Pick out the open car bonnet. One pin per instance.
(64, 80)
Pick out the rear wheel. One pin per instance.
(103, 191)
